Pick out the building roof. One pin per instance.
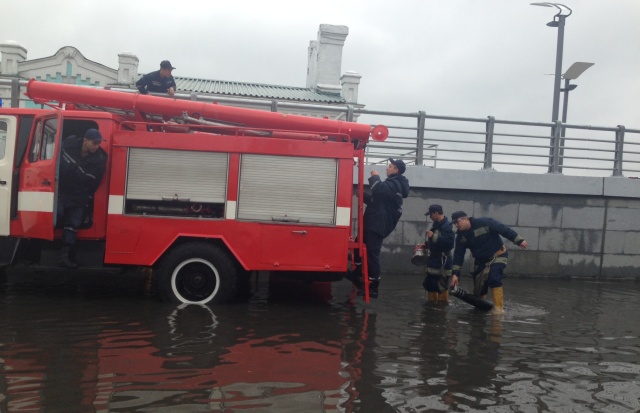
(255, 90)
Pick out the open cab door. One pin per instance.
(7, 150)
(37, 198)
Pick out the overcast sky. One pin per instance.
(471, 58)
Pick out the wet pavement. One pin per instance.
(103, 343)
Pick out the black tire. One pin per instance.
(197, 273)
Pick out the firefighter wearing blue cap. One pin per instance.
(439, 243)
(384, 207)
(82, 165)
(482, 236)
(160, 81)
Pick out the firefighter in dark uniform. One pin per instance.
(439, 243)
(82, 166)
(160, 81)
(481, 236)
(384, 207)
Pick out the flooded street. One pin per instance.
(102, 343)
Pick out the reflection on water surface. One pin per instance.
(100, 343)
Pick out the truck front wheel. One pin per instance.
(197, 273)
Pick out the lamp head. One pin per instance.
(576, 69)
(561, 9)
(568, 89)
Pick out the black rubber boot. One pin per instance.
(373, 288)
(355, 277)
(66, 259)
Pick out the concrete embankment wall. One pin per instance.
(575, 226)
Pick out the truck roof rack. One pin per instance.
(159, 110)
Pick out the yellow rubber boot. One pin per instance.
(496, 330)
(498, 300)
(443, 297)
(432, 296)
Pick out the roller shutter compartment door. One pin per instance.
(157, 175)
(287, 189)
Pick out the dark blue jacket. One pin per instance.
(443, 237)
(384, 203)
(483, 240)
(80, 175)
(152, 82)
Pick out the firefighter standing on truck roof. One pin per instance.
(82, 165)
(384, 208)
(482, 237)
(159, 81)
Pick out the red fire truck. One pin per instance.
(200, 192)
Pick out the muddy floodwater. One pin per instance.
(103, 343)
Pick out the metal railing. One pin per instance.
(514, 146)
(461, 142)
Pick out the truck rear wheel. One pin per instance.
(197, 273)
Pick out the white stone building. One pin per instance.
(326, 85)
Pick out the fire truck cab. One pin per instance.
(200, 192)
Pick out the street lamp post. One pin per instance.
(565, 101)
(574, 71)
(558, 21)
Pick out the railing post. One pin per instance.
(617, 161)
(349, 113)
(488, 144)
(15, 93)
(554, 151)
(420, 142)
(274, 105)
